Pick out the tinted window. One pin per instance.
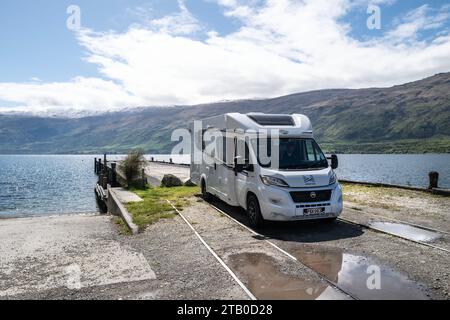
(272, 120)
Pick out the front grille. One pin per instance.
(318, 205)
(311, 196)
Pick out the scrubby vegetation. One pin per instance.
(155, 207)
(132, 165)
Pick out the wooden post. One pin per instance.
(434, 180)
(100, 166)
(113, 175)
(105, 166)
(95, 165)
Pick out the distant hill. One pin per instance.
(410, 118)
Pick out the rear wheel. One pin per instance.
(206, 195)
(255, 217)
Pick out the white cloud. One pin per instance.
(282, 47)
(35, 79)
(417, 20)
(182, 23)
(80, 93)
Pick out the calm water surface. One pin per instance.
(46, 185)
(407, 169)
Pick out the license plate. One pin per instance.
(313, 211)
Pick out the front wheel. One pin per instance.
(255, 217)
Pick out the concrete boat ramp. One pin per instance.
(49, 256)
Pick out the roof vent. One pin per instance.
(272, 119)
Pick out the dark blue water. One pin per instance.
(53, 185)
(405, 169)
(46, 185)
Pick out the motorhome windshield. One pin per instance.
(293, 154)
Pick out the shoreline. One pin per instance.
(87, 214)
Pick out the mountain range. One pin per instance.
(409, 118)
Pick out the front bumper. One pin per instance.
(278, 205)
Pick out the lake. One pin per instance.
(403, 169)
(46, 185)
(54, 185)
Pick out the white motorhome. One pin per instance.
(270, 165)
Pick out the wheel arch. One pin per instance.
(248, 194)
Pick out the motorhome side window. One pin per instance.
(203, 140)
(222, 148)
(210, 139)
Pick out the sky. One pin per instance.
(104, 55)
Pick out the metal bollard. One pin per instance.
(434, 180)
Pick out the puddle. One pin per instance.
(406, 231)
(352, 273)
(267, 282)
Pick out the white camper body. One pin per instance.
(303, 186)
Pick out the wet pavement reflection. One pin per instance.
(406, 231)
(360, 276)
(267, 281)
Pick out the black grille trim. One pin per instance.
(307, 196)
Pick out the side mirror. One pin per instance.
(334, 162)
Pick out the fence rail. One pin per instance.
(107, 173)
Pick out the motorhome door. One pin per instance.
(242, 177)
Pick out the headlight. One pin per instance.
(272, 181)
(333, 178)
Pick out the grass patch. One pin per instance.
(155, 207)
(123, 228)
